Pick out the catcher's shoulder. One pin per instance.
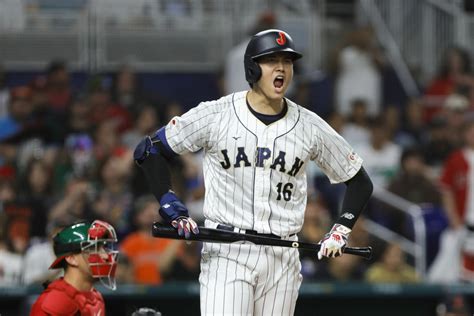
(57, 300)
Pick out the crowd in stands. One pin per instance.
(66, 156)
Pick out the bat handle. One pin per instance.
(364, 252)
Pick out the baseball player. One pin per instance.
(86, 253)
(256, 146)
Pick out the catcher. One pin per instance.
(87, 253)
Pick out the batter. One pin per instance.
(256, 146)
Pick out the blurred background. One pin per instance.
(82, 81)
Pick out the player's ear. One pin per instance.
(72, 260)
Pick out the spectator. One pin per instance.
(126, 90)
(11, 263)
(172, 109)
(106, 140)
(58, 85)
(381, 155)
(454, 75)
(413, 183)
(391, 117)
(356, 130)
(36, 191)
(39, 94)
(336, 121)
(194, 184)
(357, 63)
(147, 119)
(18, 223)
(455, 109)
(78, 116)
(75, 160)
(76, 203)
(39, 256)
(151, 258)
(392, 268)
(11, 258)
(124, 273)
(438, 146)
(114, 201)
(103, 107)
(343, 269)
(316, 223)
(19, 112)
(7, 188)
(413, 129)
(48, 123)
(4, 94)
(456, 180)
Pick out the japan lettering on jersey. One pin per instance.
(254, 173)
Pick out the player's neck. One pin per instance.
(260, 103)
(76, 279)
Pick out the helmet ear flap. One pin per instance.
(253, 72)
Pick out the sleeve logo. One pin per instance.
(348, 215)
(352, 157)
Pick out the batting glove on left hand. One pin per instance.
(334, 242)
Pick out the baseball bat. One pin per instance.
(224, 236)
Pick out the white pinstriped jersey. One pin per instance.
(254, 173)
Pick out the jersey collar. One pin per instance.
(257, 127)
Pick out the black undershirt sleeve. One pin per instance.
(359, 189)
(157, 172)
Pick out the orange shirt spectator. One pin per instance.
(145, 252)
(150, 257)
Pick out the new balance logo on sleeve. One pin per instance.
(348, 215)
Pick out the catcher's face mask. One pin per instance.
(101, 253)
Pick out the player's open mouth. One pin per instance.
(278, 82)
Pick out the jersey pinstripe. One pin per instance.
(254, 173)
(247, 279)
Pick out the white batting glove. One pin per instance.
(185, 226)
(334, 242)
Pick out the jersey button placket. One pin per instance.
(262, 186)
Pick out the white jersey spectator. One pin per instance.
(37, 260)
(10, 268)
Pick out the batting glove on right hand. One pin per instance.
(334, 242)
(185, 226)
(174, 212)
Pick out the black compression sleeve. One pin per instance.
(359, 189)
(157, 173)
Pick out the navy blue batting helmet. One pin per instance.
(265, 43)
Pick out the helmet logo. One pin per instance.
(282, 39)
